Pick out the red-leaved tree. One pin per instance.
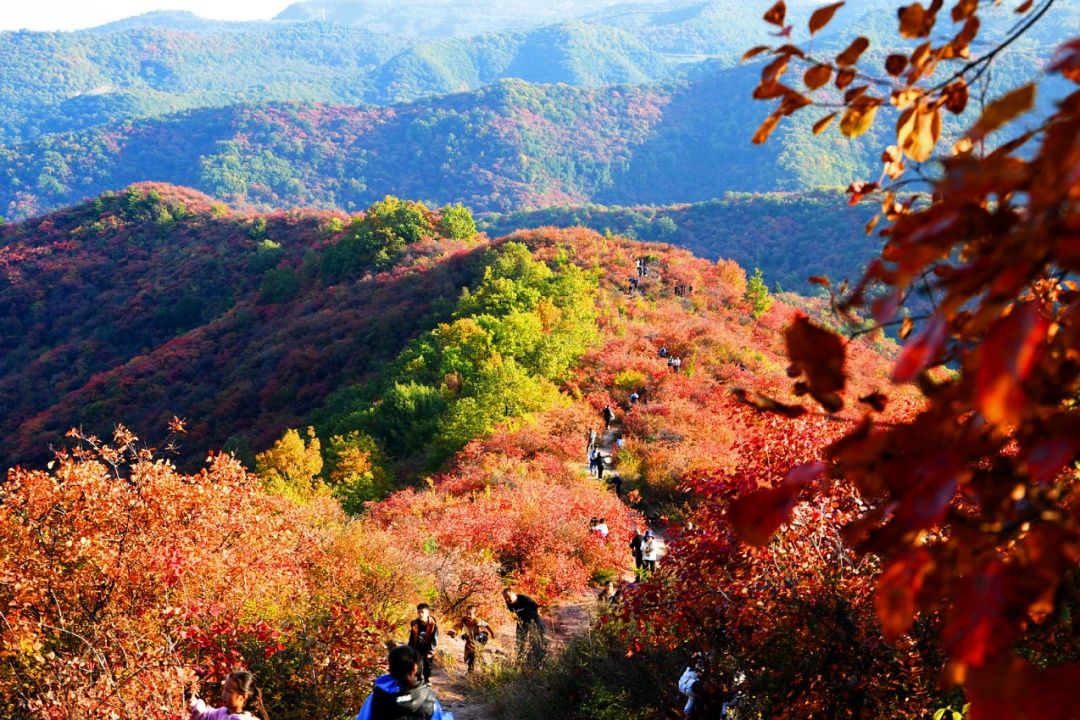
(973, 503)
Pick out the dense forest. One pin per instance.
(511, 145)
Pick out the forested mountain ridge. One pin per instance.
(153, 64)
(157, 63)
(508, 146)
(243, 323)
(789, 236)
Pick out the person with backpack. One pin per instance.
(609, 416)
(424, 637)
(475, 632)
(402, 694)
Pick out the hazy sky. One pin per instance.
(76, 14)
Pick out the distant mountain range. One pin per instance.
(509, 146)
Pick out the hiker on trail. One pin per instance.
(610, 594)
(690, 683)
(531, 640)
(633, 285)
(636, 544)
(634, 397)
(663, 351)
(475, 632)
(642, 268)
(599, 466)
(402, 693)
(592, 439)
(424, 637)
(650, 551)
(600, 528)
(674, 363)
(240, 700)
(609, 416)
(615, 480)
(619, 443)
(596, 463)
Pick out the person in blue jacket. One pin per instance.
(402, 694)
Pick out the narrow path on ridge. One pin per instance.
(463, 695)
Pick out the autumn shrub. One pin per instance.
(629, 380)
(593, 678)
(124, 580)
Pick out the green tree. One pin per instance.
(377, 237)
(757, 294)
(456, 221)
(356, 470)
(279, 285)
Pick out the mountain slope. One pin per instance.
(789, 236)
(509, 146)
(155, 301)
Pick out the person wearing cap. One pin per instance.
(650, 551)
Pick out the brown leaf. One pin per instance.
(821, 17)
(956, 96)
(905, 328)
(918, 130)
(1003, 110)
(1024, 6)
(921, 351)
(819, 354)
(858, 119)
(768, 404)
(958, 47)
(817, 76)
(823, 123)
(963, 9)
(916, 21)
(775, 14)
(819, 280)
(858, 189)
(851, 54)
(789, 50)
(792, 101)
(1067, 61)
(844, 78)
(766, 128)
(896, 596)
(770, 91)
(854, 93)
(774, 70)
(756, 50)
(895, 64)
(1006, 358)
(903, 99)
